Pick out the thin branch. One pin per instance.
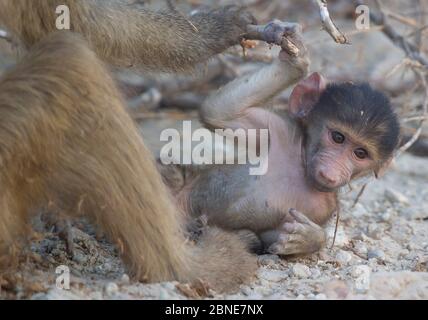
(415, 118)
(402, 19)
(360, 193)
(328, 23)
(424, 115)
(336, 227)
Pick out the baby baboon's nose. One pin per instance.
(329, 180)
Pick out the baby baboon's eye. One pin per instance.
(338, 137)
(361, 153)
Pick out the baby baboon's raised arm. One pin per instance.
(127, 35)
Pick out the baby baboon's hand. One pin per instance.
(298, 235)
(288, 36)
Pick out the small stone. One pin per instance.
(341, 236)
(376, 254)
(301, 271)
(268, 259)
(96, 295)
(361, 274)
(316, 273)
(164, 295)
(413, 213)
(107, 266)
(343, 257)
(266, 292)
(80, 258)
(336, 289)
(324, 255)
(321, 296)
(254, 296)
(359, 211)
(169, 286)
(403, 253)
(300, 297)
(385, 217)
(56, 294)
(246, 290)
(111, 288)
(125, 279)
(396, 197)
(373, 231)
(360, 249)
(272, 275)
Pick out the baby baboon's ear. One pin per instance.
(306, 94)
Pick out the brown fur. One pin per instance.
(67, 139)
(127, 35)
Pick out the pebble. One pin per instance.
(341, 236)
(321, 296)
(125, 279)
(107, 266)
(254, 296)
(301, 271)
(376, 254)
(246, 290)
(336, 289)
(343, 257)
(169, 286)
(357, 271)
(163, 295)
(373, 231)
(311, 296)
(96, 295)
(111, 288)
(385, 217)
(359, 211)
(360, 248)
(396, 197)
(316, 273)
(324, 255)
(56, 294)
(361, 274)
(403, 253)
(272, 275)
(269, 259)
(413, 213)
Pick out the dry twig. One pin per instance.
(424, 115)
(328, 23)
